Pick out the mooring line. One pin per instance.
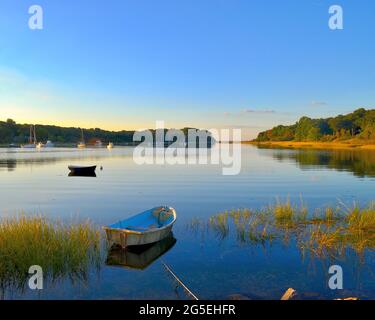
(179, 281)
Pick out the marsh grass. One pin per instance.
(249, 226)
(219, 225)
(326, 232)
(62, 250)
(361, 220)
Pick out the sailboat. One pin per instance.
(81, 144)
(32, 139)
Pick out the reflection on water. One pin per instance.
(10, 160)
(38, 182)
(82, 174)
(360, 162)
(140, 257)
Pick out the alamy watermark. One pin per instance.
(36, 279)
(176, 147)
(336, 20)
(36, 19)
(336, 281)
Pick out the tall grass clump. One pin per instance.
(249, 226)
(62, 250)
(326, 232)
(287, 215)
(284, 212)
(220, 224)
(361, 220)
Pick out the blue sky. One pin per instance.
(123, 64)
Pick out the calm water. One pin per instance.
(37, 181)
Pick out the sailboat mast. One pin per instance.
(31, 134)
(34, 135)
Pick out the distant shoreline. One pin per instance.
(349, 144)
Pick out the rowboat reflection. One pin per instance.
(89, 174)
(139, 257)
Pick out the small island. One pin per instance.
(353, 130)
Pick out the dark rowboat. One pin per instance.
(81, 170)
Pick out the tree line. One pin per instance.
(359, 124)
(12, 132)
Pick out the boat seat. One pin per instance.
(152, 226)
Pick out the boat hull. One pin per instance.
(126, 238)
(82, 170)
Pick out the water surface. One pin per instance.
(35, 181)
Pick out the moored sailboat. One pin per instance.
(32, 139)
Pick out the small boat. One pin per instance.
(140, 257)
(49, 144)
(98, 144)
(144, 228)
(32, 139)
(110, 145)
(82, 170)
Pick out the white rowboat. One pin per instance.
(146, 227)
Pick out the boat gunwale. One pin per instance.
(74, 167)
(146, 231)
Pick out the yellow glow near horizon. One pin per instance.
(66, 117)
(105, 124)
(81, 124)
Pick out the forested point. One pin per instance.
(359, 124)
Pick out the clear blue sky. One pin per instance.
(122, 64)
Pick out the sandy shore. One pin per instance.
(316, 145)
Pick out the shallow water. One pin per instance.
(37, 182)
